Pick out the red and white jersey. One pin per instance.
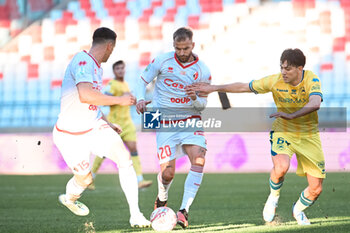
(75, 116)
(172, 77)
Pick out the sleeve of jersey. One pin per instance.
(201, 102)
(315, 87)
(263, 85)
(83, 71)
(151, 71)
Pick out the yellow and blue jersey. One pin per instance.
(118, 114)
(289, 98)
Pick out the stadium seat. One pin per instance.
(168, 4)
(33, 72)
(339, 44)
(170, 15)
(193, 21)
(85, 4)
(145, 59)
(159, 12)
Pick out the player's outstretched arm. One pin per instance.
(313, 105)
(205, 88)
(89, 95)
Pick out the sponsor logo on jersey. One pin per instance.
(291, 101)
(294, 92)
(171, 83)
(280, 143)
(93, 107)
(96, 86)
(316, 87)
(195, 76)
(82, 63)
(170, 69)
(315, 80)
(200, 133)
(183, 100)
(282, 90)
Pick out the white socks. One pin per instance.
(128, 182)
(73, 190)
(302, 203)
(275, 188)
(163, 188)
(192, 183)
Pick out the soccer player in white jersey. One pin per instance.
(81, 128)
(175, 70)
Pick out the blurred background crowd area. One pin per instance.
(239, 40)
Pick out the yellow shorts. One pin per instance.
(129, 131)
(307, 149)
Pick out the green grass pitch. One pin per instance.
(225, 203)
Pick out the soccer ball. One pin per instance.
(163, 219)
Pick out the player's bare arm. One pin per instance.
(313, 105)
(91, 96)
(205, 88)
(141, 105)
(114, 126)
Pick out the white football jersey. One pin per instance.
(76, 116)
(172, 78)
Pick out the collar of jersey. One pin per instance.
(93, 59)
(186, 66)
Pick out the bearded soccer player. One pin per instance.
(175, 70)
(81, 128)
(120, 114)
(297, 95)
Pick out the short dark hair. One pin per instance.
(182, 34)
(120, 62)
(294, 57)
(102, 34)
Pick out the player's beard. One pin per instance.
(105, 58)
(184, 59)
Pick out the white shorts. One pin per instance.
(102, 141)
(169, 144)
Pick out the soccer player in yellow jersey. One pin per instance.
(297, 95)
(121, 115)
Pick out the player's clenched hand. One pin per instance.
(116, 128)
(127, 99)
(141, 106)
(201, 88)
(191, 93)
(282, 115)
